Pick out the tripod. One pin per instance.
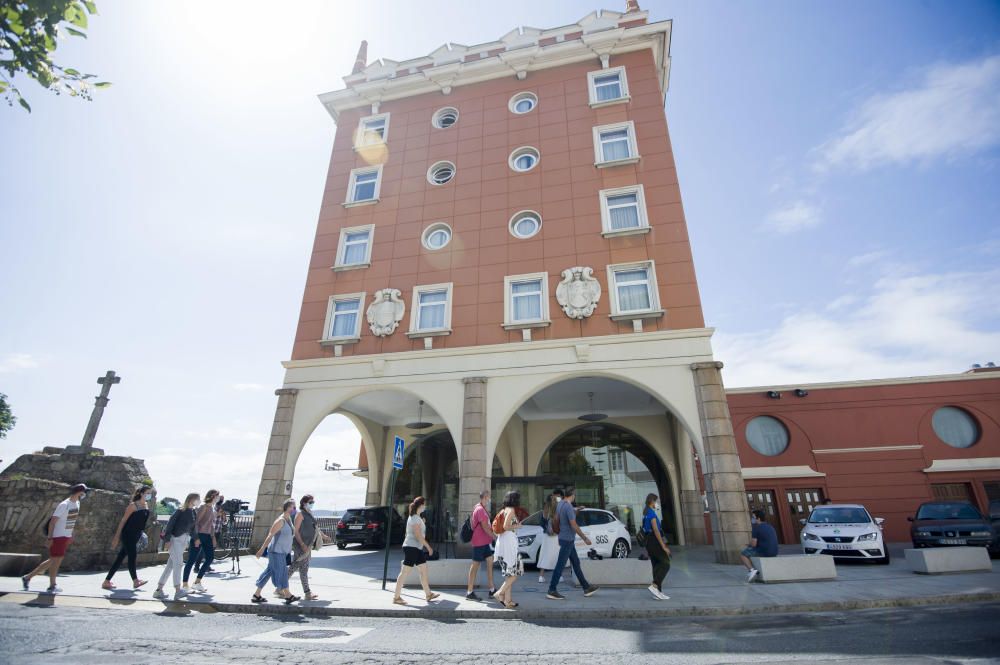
(230, 545)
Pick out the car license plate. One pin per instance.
(836, 546)
(355, 526)
(953, 541)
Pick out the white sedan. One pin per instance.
(608, 535)
(845, 531)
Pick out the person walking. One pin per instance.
(414, 553)
(278, 545)
(482, 545)
(305, 541)
(129, 531)
(203, 544)
(656, 546)
(511, 566)
(177, 534)
(567, 530)
(59, 532)
(548, 553)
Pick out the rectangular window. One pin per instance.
(526, 302)
(355, 249)
(633, 290)
(431, 310)
(363, 186)
(372, 130)
(615, 144)
(343, 318)
(623, 211)
(608, 86)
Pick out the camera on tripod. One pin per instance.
(233, 506)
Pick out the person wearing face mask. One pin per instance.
(656, 546)
(59, 530)
(763, 543)
(414, 553)
(482, 550)
(305, 541)
(278, 545)
(203, 544)
(178, 533)
(129, 530)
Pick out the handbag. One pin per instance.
(143, 542)
(641, 537)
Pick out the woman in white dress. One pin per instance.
(548, 553)
(506, 554)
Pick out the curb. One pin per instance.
(571, 615)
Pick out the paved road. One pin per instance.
(85, 635)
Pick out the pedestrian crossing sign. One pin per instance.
(397, 455)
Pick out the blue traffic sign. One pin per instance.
(397, 455)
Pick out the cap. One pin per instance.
(79, 487)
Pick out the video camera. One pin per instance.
(233, 506)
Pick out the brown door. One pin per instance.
(953, 492)
(764, 500)
(800, 504)
(992, 491)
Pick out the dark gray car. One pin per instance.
(950, 523)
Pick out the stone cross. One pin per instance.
(102, 400)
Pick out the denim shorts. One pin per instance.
(482, 552)
(749, 552)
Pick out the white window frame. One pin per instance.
(516, 153)
(508, 299)
(328, 338)
(640, 197)
(433, 228)
(414, 332)
(521, 96)
(361, 135)
(516, 217)
(654, 311)
(436, 118)
(352, 181)
(339, 264)
(435, 166)
(592, 88)
(633, 148)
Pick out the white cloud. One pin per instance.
(224, 433)
(248, 387)
(954, 110)
(902, 326)
(793, 217)
(13, 362)
(867, 258)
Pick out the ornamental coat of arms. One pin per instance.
(578, 292)
(385, 312)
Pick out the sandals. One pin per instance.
(433, 596)
(107, 585)
(311, 596)
(510, 606)
(257, 599)
(291, 599)
(138, 583)
(398, 601)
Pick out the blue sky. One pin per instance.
(839, 165)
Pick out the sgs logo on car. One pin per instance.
(601, 540)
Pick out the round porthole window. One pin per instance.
(440, 173)
(767, 435)
(955, 426)
(522, 102)
(524, 159)
(445, 118)
(437, 236)
(525, 224)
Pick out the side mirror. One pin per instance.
(909, 519)
(880, 521)
(802, 521)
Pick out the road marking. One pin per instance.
(324, 635)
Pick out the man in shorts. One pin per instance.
(763, 543)
(482, 544)
(60, 534)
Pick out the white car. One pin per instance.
(844, 531)
(608, 535)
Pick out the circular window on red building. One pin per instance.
(955, 426)
(767, 435)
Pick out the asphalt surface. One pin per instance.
(94, 634)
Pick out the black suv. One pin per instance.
(949, 523)
(368, 526)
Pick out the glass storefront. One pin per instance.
(430, 470)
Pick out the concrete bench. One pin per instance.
(795, 568)
(445, 573)
(937, 560)
(13, 564)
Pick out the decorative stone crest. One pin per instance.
(385, 312)
(578, 292)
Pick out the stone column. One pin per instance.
(727, 498)
(692, 505)
(473, 477)
(274, 485)
(376, 494)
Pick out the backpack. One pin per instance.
(466, 532)
(498, 523)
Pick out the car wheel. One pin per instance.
(884, 561)
(621, 549)
(341, 546)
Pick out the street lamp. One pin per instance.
(334, 466)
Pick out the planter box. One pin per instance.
(937, 560)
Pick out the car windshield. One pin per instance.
(365, 513)
(948, 511)
(839, 516)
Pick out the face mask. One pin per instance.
(82, 497)
(148, 497)
(656, 506)
(558, 499)
(311, 505)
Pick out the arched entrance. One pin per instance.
(430, 470)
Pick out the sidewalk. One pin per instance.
(349, 584)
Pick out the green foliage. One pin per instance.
(7, 419)
(146, 482)
(168, 505)
(96, 453)
(29, 30)
(16, 476)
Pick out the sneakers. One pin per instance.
(653, 590)
(159, 593)
(472, 596)
(541, 579)
(180, 593)
(752, 574)
(199, 587)
(53, 589)
(591, 590)
(555, 595)
(24, 582)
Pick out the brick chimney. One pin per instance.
(362, 60)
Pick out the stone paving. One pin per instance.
(349, 584)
